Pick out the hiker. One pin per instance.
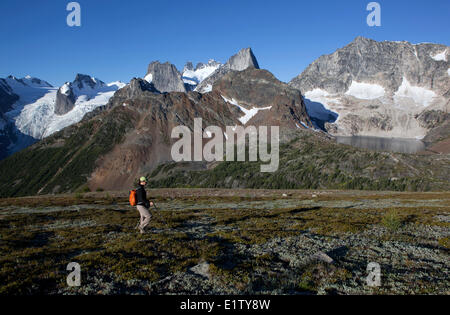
(143, 205)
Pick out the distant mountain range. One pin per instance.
(388, 89)
(101, 135)
(32, 109)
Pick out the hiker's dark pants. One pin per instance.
(145, 216)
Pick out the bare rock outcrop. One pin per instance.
(165, 77)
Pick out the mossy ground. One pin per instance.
(254, 244)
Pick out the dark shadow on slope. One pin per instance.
(338, 252)
(295, 211)
(12, 140)
(319, 114)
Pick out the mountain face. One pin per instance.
(165, 77)
(377, 88)
(7, 97)
(265, 99)
(83, 86)
(154, 116)
(242, 60)
(132, 134)
(32, 109)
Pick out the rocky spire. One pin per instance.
(188, 67)
(165, 77)
(65, 99)
(243, 60)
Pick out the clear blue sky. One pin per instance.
(118, 39)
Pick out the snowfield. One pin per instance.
(195, 77)
(149, 78)
(440, 56)
(249, 113)
(420, 95)
(320, 96)
(209, 87)
(365, 91)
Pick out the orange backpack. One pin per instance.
(133, 200)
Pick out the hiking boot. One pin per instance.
(141, 230)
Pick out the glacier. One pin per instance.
(33, 115)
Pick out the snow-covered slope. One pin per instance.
(248, 113)
(33, 114)
(365, 91)
(192, 77)
(39, 120)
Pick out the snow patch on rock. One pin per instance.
(149, 78)
(65, 89)
(442, 56)
(365, 91)
(318, 95)
(421, 96)
(249, 113)
(303, 124)
(207, 89)
(198, 75)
